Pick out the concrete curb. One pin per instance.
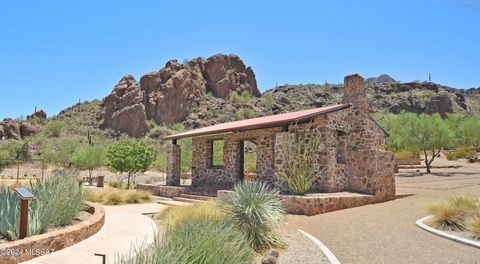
(420, 223)
(330, 256)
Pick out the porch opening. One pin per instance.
(248, 160)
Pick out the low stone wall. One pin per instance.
(36, 246)
(162, 190)
(318, 203)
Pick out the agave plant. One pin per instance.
(9, 213)
(255, 210)
(59, 200)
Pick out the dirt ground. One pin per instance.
(386, 232)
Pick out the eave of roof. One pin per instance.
(260, 122)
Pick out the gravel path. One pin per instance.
(386, 232)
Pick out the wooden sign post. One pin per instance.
(25, 195)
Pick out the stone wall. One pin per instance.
(317, 203)
(227, 175)
(55, 240)
(162, 190)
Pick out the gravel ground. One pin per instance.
(386, 232)
(301, 250)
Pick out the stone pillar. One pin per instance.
(173, 165)
(282, 140)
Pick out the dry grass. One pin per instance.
(173, 216)
(473, 226)
(454, 213)
(116, 196)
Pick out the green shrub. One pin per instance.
(300, 159)
(452, 214)
(196, 241)
(267, 100)
(244, 98)
(462, 153)
(255, 210)
(406, 154)
(53, 128)
(245, 113)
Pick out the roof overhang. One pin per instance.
(260, 122)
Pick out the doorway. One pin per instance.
(248, 160)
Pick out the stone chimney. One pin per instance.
(354, 93)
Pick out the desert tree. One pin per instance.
(88, 158)
(130, 156)
(426, 133)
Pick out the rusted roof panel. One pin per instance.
(260, 122)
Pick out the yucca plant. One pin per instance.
(256, 211)
(195, 241)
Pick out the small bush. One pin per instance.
(174, 216)
(462, 153)
(473, 226)
(245, 113)
(138, 197)
(452, 214)
(255, 210)
(114, 198)
(406, 154)
(117, 196)
(53, 128)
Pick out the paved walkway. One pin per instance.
(125, 225)
(386, 232)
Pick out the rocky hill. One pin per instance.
(222, 88)
(167, 96)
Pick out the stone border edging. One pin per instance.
(420, 223)
(20, 250)
(330, 256)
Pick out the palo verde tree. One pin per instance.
(131, 156)
(426, 133)
(88, 158)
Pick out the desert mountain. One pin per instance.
(222, 88)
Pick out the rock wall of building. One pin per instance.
(227, 175)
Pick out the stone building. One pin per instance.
(350, 158)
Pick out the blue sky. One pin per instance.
(53, 53)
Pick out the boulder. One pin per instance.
(124, 110)
(225, 74)
(27, 130)
(11, 129)
(439, 103)
(38, 114)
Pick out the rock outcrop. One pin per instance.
(40, 114)
(167, 96)
(124, 108)
(27, 129)
(11, 129)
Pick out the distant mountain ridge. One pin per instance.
(222, 88)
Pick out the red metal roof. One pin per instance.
(260, 122)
